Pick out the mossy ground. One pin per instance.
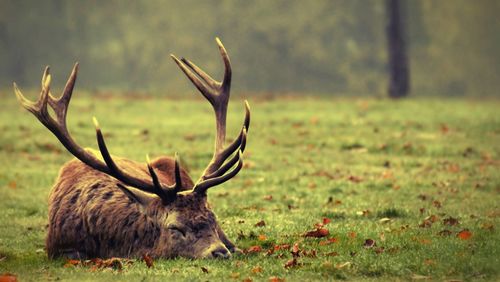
(376, 168)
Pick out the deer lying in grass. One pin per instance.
(115, 207)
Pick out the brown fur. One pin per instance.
(89, 216)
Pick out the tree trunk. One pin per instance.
(396, 43)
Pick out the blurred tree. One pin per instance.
(283, 46)
(396, 42)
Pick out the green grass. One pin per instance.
(356, 162)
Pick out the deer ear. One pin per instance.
(136, 195)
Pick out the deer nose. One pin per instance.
(221, 252)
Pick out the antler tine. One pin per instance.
(207, 92)
(111, 165)
(203, 75)
(203, 186)
(166, 193)
(226, 83)
(62, 102)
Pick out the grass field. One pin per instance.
(411, 187)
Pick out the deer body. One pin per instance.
(114, 207)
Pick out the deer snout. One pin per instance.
(218, 252)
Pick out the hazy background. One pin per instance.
(325, 47)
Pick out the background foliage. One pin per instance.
(284, 46)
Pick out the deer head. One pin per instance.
(182, 222)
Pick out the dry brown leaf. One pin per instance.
(292, 263)
(204, 269)
(260, 223)
(450, 221)
(148, 260)
(318, 233)
(369, 243)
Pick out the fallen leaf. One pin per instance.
(354, 179)
(148, 260)
(352, 235)
(326, 220)
(328, 241)
(254, 249)
(8, 277)
(369, 243)
(332, 254)
(437, 204)
(291, 263)
(487, 226)
(260, 223)
(444, 128)
(295, 250)
(13, 184)
(71, 263)
(248, 279)
(276, 279)
(450, 221)
(204, 269)
(363, 213)
(464, 234)
(318, 233)
(262, 237)
(268, 197)
(235, 275)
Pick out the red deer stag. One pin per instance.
(115, 207)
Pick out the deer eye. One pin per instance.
(178, 230)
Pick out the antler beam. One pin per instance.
(217, 93)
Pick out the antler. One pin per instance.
(58, 127)
(217, 93)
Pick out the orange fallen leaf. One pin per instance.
(276, 279)
(12, 184)
(328, 241)
(254, 249)
(326, 220)
(464, 234)
(262, 237)
(71, 263)
(8, 277)
(352, 235)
